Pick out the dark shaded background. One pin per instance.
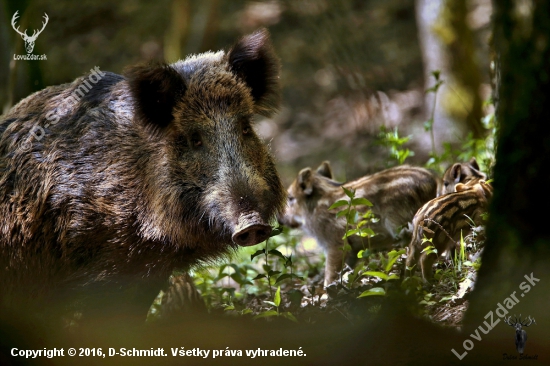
(348, 67)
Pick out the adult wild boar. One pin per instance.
(134, 176)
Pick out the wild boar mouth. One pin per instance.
(251, 229)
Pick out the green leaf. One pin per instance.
(273, 273)
(393, 256)
(396, 253)
(266, 314)
(270, 303)
(276, 231)
(361, 201)
(221, 273)
(369, 215)
(284, 276)
(368, 232)
(375, 291)
(259, 276)
(352, 216)
(277, 253)
(424, 239)
(246, 311)
(342, 213)
(462, 248)
(288, 261)
(349, 193)
(220, 276)
(393, 277)
(429, 303)
(230, 307)
(289, 316)
(258, 252)
(339, 203)
(350, 233)
(240, 279)
(429, 250)
(346, 248)
(277, 298)
(363, 253)
(381, 275)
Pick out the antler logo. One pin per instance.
(29, 40)
(521, 335)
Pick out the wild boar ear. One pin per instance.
(474, 164)
(456, 171)
(325, 170)
(305, 181)
(253, 60)
(155, 89)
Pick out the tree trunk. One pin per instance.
(518, 242)
(434, 58)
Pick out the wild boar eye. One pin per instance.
(291, 199)
(196, 140)
(246, 130)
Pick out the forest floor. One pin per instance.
(295, 268)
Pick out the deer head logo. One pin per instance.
(521, 335)
(29, 40)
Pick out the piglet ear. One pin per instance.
(253, 60)
(474, 164)
(155, 89)
(305, 180)
(456, 172)
(325, 170)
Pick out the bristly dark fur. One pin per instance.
(254, 60)
(155, 89)
(140, 176)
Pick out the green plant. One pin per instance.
(429, 124)
(351, 214)
(269, 271)
(454, 274)
(276, 303)
(385, 265)
(394, 143)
